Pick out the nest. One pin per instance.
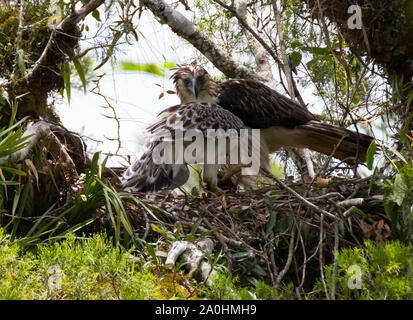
(269, 233)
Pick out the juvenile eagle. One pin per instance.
(283, 122)
(146, 174)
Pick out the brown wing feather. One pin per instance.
(259, 106)
(196, 115)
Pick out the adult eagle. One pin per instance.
(283, 122)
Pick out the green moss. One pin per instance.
(89, 268)
(378, 272)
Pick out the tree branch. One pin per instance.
(70, 21)
(65, 26)
(258, 51)
(264, 44)
(184, 28)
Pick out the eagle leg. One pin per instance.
(231, 171)
(210, 178)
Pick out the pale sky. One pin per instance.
(133, 94)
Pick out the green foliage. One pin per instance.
(398, 200)
(87, 268)
(370, 153)
(151, 68)
(225, 287)
(97, 192)
(384, 272)
(34, 39)
(12, 140)
(219, 27)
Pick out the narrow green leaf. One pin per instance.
(33, 228)
(370, 154)
(196, 226)
(149, 68)
(74, 229)
(169, 65)
(208, 233)
(14, 171)
(81, 73)
(405, 131)
(13, 113)
(271, 222)
(159, 230)
(151, 252)
(22, 205)
(66, 78)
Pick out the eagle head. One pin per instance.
(193, 83)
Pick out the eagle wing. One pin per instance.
(258, 106)
(288, 122)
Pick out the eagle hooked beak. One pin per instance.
(193, 87)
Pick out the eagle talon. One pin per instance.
(227, 174)
(215, 190)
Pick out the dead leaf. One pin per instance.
(321, 182)
(5, 186)
(365, 228)
(33, 169)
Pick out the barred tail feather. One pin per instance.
(326, 138)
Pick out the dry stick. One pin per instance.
(322, 170)
(224, 245)
(114, 117)
(147, 225)
(232, 231)
(231, 242)
(289, 259)
(346, 68)
(305, 201)
(263, 43)
(19, 51)
(273, 266)
(272, 257)
(299, 288)
(184, 28)
(284, 57)
(336, 242)
(320, 244)
(257, 50)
